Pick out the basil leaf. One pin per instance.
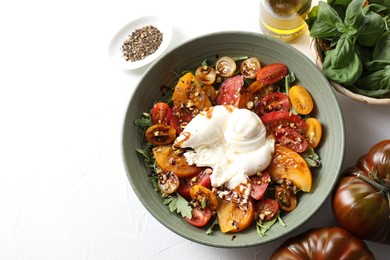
(346, 75)
(370, 29)
(325, 25)
(382, 48)
(376, 84)
(344, 51)
(354, 13)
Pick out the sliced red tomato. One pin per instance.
(180, 118)
(278, 119)
(266, 209)
(230, 91)
(291, 139)
(200, 216)
(203, 178)
(250, 67)
(259, 184)
(161, 113)
(275, 101)
(271, 73)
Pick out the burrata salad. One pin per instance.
(232, 144)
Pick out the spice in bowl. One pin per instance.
(141, 43)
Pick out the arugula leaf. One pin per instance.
(311, 158)
(262, 228)
(209, 231)
(179, 204)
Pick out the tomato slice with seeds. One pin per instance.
(230, 91)
(301, 100)
(200, 216)
(287, 164)
(161, 113)
(291, 139)
(168, 182)
(278, 119)
(314, 131)
(160, 134)
(206, 75)
(271, 73)
(203, 178)
(225, 67)
(202, 194)
(170, 161)
(250, 67)
(259, 184)
(275, 101)
(266, 209)
(286, 198)
(234, 218)
(179, 118)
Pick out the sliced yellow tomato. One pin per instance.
(301, 99)
(314, 131)
(232, 217)
(188, 93)
(201, 193)
(170, 161)
(290, 165)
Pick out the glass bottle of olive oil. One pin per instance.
(284, 19)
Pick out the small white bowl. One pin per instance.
(114, 50)
(339, 88)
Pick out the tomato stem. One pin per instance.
(382, 188)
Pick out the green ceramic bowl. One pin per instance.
(188, 56)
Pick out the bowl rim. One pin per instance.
(217, 243)
(342, 90)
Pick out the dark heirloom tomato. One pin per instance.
(278, 119)
(327, 243)
(363, 208)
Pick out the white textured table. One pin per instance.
(63, 189)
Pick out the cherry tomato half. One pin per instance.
(275, 101)
(230, 91)
(232, 217)
(160, 134)
(291, 139)
(290, 165)
(272, 73)
(202, 194)
(278, 119)
(206, 75)
(285, 197)
(170, 161)
(202, 178)
(161, 113)
(259, 184)
(301, 100)
(180, 118)
(168, 182)
(314, 131)
(266, 209)
(225, 67)
(200, 216)
(250, 67)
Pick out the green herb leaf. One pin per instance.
(325, 24)
(311, 158)
(262, 228)
(209, 231)
(179, 204)
(344, 51)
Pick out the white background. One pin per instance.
(63, 189)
